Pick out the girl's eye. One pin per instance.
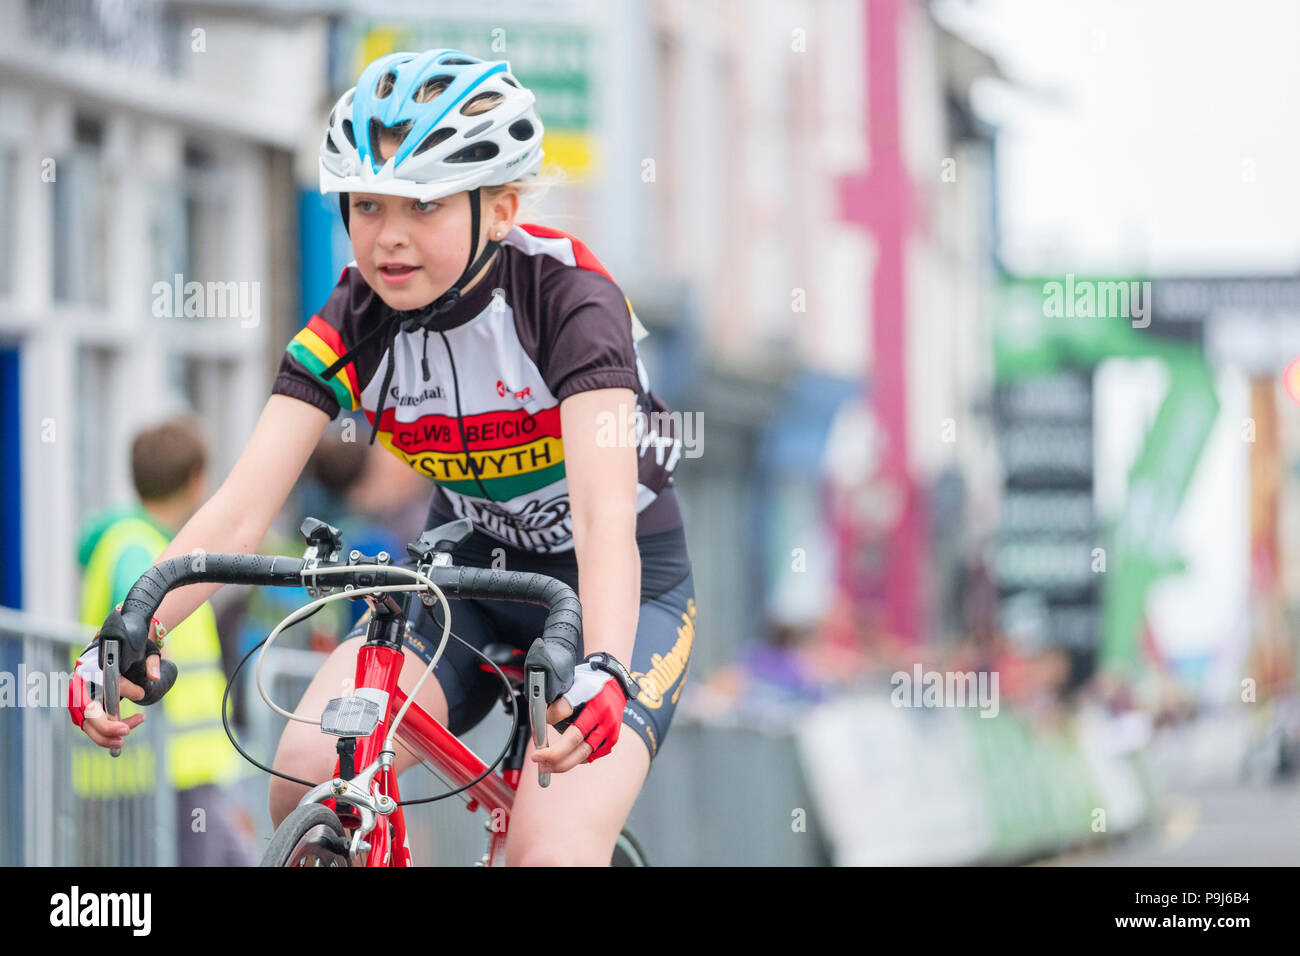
(424, 206)
(361, 205)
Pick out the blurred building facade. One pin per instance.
(148, 148)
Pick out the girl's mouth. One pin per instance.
(397, 275)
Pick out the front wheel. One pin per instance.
(310, 836)
(627, 852)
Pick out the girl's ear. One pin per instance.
(506, 207)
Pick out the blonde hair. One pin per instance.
(532, 191)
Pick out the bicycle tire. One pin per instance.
(311, 832)
(628, 852)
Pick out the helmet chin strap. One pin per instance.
(449, 298)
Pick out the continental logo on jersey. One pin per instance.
(318, 346)
(511, 453)
(667, 668)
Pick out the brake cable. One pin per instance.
(293, 620)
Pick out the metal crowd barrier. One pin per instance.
(51, 823)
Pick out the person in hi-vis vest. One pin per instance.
(169, 469)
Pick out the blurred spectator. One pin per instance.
(169, 471)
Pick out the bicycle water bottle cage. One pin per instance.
(324, 542)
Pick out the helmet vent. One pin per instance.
(347, 131)
(510, 80)
(430, 88)
(481, 103)
(351, 93)
(521, 130)
(433, 139)
(477, 153)
(379, 134)
(385, 85)
(458, 61)
(329, 143)
(486, 124)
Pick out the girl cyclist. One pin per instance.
(498, 359)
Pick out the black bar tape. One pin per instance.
(559, 649)
(132, 625)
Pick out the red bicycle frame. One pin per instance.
(378, 667)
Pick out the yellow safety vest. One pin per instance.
(198, 751)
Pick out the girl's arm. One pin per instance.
(601, 467)
(602, 477)
(236, 518)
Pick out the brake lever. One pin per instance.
(112, 691)
(537, 717)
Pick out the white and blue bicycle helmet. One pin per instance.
(422, 98)
(462, 123)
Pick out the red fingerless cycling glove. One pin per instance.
(601, 718)
(598, 701)
(78, 697)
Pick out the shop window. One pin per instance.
(81, 207)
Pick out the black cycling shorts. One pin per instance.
(660, 656)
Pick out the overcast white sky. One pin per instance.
(1146, 135)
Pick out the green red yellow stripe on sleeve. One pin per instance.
(318, 346)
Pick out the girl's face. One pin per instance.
(411, 252)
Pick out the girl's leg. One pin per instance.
(576, 820)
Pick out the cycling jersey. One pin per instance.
(473, 396)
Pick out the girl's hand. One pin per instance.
(104, 730)
(598, 717)
(89, 714)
